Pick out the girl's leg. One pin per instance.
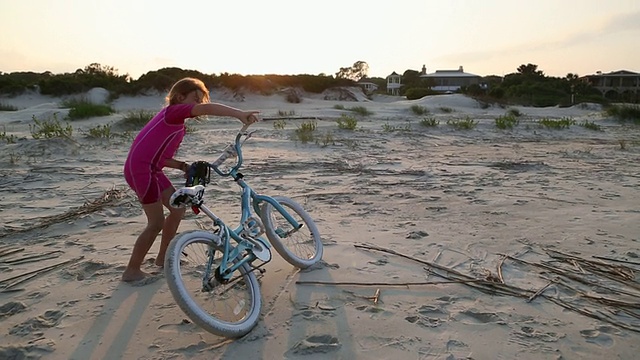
(155, 222)
(171, 224)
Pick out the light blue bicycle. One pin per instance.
(211, 273)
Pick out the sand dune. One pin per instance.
(455, 231)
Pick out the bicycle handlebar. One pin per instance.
(231, 150)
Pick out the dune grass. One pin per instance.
(82, 109)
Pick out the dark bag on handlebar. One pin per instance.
(198, 174)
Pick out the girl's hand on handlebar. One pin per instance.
(249, 117)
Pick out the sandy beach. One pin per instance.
(440, 243)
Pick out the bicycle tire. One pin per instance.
(215, 311)
(294, 253)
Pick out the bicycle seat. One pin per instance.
(187, 196)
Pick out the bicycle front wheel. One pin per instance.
(302, 247)
(229, 310)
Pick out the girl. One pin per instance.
(152, 150)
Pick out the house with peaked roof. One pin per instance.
(449, 80)
(394, 83)
(367, 85)
(615, 83)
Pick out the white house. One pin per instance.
(394, 82)
(449, 80)
(367, 86)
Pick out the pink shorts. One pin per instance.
(148, 186)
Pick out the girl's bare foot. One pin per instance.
(134, 275)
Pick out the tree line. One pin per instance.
(526, 86)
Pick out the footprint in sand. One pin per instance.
(11, 308)
(600, 335)
(315, 344)
(49, 319)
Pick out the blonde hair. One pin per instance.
(184, 87)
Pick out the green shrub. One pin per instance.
(347, 122)
(286, 113)
(625, 112)
(326, 139)
(419, 110)
(101, 132)
(49, 128)
(338, 107)
(7, 107)
(563, 123)
(361, 110)
(392, 128)
(429, 122)
(136, 119)
(10, 139)
(507, 121)
(514, 112)
(305, 131)
(279, 124)
(82, 109)
(591, 125)
(462, 124)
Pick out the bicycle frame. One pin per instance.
(230, 253)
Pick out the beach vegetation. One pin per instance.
(624, 113)
(49, 128)
(416, 93)
(136, 119)
(338, 107)
(347, 122)
(360, 110)
(285, 113)
(14, 158)
(514, 112)
(507, 121)
(419, 109)
(326, 139)
(429, 122)
(100, 132)
(556, 124)
(591, 125)
(305, 131)
(279, 124)
(623, 144)
(7, 107)
(9, 139)
(386, 127)
(446, 109)
(82, 109)
(462, 124)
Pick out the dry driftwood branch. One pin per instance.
(10, 251)
(505, 289)
(107, 198)
(31, 274)
(453, 275)
(500, 269)
(616, 260)
(540, 291)
(31, 258)
(404, 284)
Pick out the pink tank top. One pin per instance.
(158, 140)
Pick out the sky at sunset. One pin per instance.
(486, 37)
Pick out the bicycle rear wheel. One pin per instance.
(301, 248)
(229, 310)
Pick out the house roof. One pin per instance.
(365, 81)
(395, 74)
(449, 73)
(616, 73)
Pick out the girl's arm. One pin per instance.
(247, 117)
(176, 164)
